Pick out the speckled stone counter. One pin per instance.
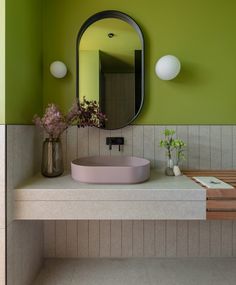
(160, 197)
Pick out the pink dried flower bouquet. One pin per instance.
(85, 113)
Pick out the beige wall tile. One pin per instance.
(105, 238)
(2, 176)
(2, 256)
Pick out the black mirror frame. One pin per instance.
(129, 20)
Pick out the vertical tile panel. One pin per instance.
(160, 238)
(17, 155)
(182, 133)
(205, 150)
(30, 238)
(116, 238)
(193, 147)
(38, 146)
(215, 238)
(171, 238)
(227, 147)
(83, 238)
(93, 141)
(10, 172)
(18, 255)
(94, 238)
(127, 237)
(182, 238)
(64, 148)
(193, 238)
(215, 141)
(27, 238)
(149, 151)
(149, 238)
(83, 142)
(160, 157)
(72, 144)
(23, 153)
(234, 238)
(105, 238)
(10, 255)
(72, 239)
(49, 239)
(104, 149)
(60, 238)
(227, 239)
(138, 141)
(127, 133)
(137, 238)
(2, 177)
(204, 243)
(37, 255)
(234, 146)
(2, 256)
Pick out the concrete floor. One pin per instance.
(142, 271)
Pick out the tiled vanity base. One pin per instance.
(165, 198)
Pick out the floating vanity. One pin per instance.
(62, 198)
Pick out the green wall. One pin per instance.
(89, 78)
(201, 33)
(24, 94)
(2, 61)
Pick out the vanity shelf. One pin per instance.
(221, 203)
(61, 198)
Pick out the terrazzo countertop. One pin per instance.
(158, 187)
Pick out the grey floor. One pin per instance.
(142, 271)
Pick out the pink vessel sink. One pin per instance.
(110, 169)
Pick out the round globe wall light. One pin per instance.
(167, 67)
(58, 69)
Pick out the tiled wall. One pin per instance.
(2, 204)
(24, 238)
(209, 147)
(139, 238)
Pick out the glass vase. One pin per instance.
(52, 162)
(169, 167)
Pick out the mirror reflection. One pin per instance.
(110, 69)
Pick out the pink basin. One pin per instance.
(110, 169)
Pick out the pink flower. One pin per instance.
(85, 113)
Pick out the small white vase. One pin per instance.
(176, 170)
(169, 167)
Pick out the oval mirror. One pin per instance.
(110, 66)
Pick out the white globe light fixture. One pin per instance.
(167, 67)
(58, 69)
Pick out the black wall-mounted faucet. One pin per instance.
(114, 141)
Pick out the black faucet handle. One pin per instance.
(114, 141)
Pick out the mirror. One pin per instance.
(110, 66)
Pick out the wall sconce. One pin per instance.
(58, 69)
(167, 67)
